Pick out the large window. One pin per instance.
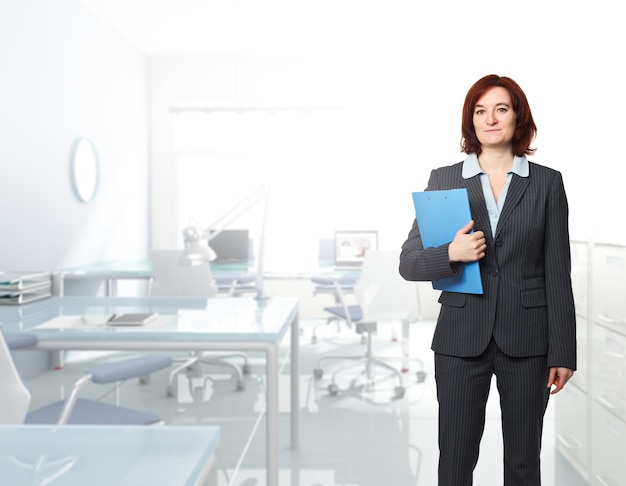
(328, 169)
(224, 155)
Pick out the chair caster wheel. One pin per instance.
(245, 369)
(333, 389)
(313, 339)
(421, 376)
(240, 385)
(399, 391)
(170, 391)
(318, 373)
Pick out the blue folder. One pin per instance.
(440, 214)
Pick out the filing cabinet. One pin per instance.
(609, 448)
(609, 371)
(608, 376)
(572, 403)
(572, 438)
(591, 413)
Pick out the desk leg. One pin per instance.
(111, 287)
(295, 382)
(406, 341)
(57, 359)
(210, 473)
(272, 433)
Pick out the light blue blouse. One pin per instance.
(471, 167)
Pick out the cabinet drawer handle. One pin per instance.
(563, 441)
(605, 319)
(602, 482)
(567, 444)
(607, 403)
(609, 321)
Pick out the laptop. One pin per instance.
(231, 246)
(351, 246)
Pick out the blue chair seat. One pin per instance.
(89, 412)
(129, 368)
(18, 341)
(355, 312)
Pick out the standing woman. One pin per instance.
(522, 329)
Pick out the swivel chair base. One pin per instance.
(212, 359)
(367, 329)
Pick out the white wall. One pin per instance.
(64, 75)
(402, 69)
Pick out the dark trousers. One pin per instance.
(462, 391)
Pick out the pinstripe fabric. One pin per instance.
(523, 323)
(527, 305)
(463, 388)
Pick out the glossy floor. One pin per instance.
(362, 436)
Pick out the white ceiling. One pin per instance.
(225, 27)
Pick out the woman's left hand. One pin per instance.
(557, 378)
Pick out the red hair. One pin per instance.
(525, 129)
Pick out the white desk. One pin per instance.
(215, 324)
(95, 455)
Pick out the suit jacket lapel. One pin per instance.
(517, 188)
(477, 204)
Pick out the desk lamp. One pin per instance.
(195, 251)
(197, 242)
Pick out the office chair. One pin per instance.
(72, 411)
(382, 295)
(337, 286)
(174, 280)
(235, 283)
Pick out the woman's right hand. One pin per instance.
(466, 246)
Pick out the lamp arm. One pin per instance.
(235, 212)
(260, 289)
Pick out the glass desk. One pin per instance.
(113, 271)
(183, 324)
(75, 455)
(110, 272)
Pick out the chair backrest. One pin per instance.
(15, 396)
(174, 280)
(381, 292)
(326, 251)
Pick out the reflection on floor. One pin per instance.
(362, 436)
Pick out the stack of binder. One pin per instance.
(24, 287)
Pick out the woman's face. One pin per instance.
(494, 119)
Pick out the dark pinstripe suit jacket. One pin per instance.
(527, 305)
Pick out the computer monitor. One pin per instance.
(351, 246)
(231, 246)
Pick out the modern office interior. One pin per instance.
(281, 123)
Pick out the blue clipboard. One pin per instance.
(439, 216)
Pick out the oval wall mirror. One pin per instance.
(84, 169)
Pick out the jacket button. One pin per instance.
(498, 242)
